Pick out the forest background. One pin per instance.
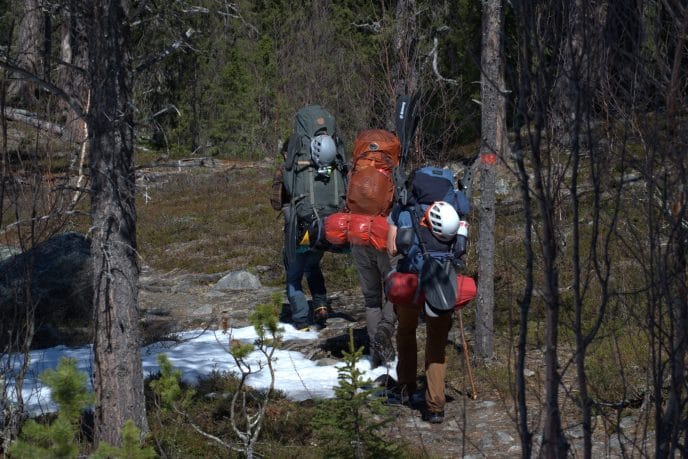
(592, 234)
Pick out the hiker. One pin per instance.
(313, 186)
(371, 192)
(426, 229)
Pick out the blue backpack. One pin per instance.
(429, 184)
(425, 186)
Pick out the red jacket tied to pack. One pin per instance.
(371, 182)
(401, 288)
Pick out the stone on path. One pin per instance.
(238, 280)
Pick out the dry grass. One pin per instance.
(213, 221)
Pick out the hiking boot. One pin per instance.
(302, 327)
(417, 400)
(433, 417)
(394, 398)
(320, 315)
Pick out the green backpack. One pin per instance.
(315, 192)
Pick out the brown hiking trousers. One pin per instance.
(435, 357)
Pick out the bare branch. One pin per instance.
(51, 88)
(181, 43)
(435, 68)
(372, 26)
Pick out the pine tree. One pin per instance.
(60, 438)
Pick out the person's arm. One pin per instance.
(392, 240)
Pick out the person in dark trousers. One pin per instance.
(305, 262)
(373, 266)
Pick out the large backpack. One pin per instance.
(315, 192)
(371, 181)
(425, 186)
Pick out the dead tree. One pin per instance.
(492, 139)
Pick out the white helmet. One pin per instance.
(323, 150)
(443, 220)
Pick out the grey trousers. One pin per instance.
(372, 266)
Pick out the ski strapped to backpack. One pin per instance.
(406, 123)
(315, 184)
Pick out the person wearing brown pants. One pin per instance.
(435, 358)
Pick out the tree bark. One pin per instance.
(405, 72)
(28, 52)
(71, 73)
(118, 368)
(491, 147)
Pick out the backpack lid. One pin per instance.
(312, 120)
(377, 140)
(430, 184)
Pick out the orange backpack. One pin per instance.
(371, 180)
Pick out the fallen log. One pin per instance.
(27, 117)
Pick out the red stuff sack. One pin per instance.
(368, 230)
(400, 288)
(337, 228)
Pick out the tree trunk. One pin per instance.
(405, 71)
(71, 73)
(491, 147)
(28, 52)
(118, 368)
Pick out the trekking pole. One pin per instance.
(474, 394)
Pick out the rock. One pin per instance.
(487, 404)
(203, 310)
(55, 277)
(238, 280)
(6, 251)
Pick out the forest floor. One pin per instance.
(483, 425)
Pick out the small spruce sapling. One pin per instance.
(247, 422)
(131, 446)
(350, 424)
